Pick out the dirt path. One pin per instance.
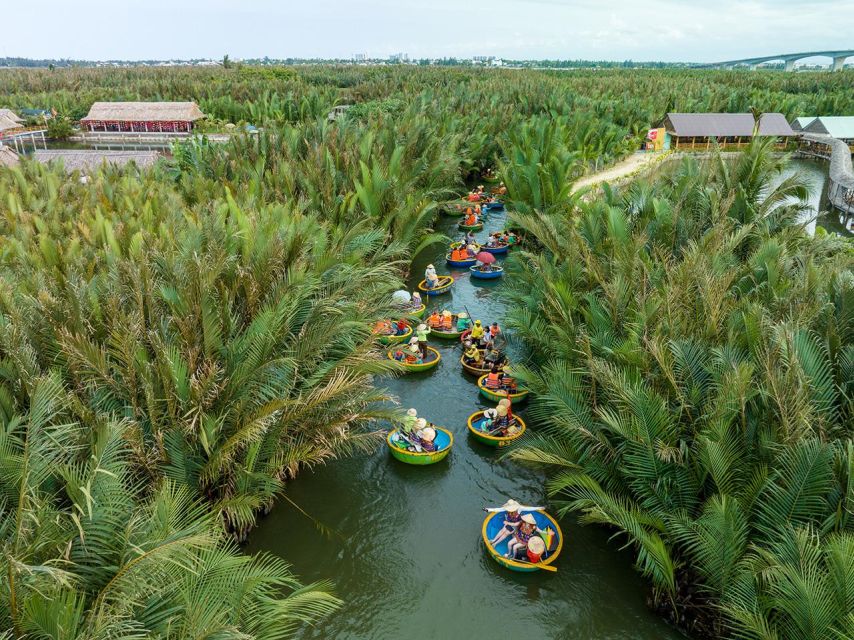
(633, 164)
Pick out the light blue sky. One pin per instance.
(615, 29)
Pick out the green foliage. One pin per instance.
(693, 388)
(59, 128)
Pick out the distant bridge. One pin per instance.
(789, 59)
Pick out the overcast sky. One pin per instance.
(670, 30)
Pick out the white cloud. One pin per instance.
(618, 29)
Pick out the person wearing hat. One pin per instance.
(463, 321)
(501, 423)
(512, 519)
(505, 402)
(536, 549)
(414, 356)
(427, 438)
(421, 332)
(416, 301)
(430, 277)
(472, 353)
(524, 532)
(409, 420)
(447, 321)
(399, 354)
(489, 417)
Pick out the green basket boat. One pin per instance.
(444, 441)
(447, 335)
(493, 441)
(498, 395)
(433, 358)
(470, 227)
(419, 312)
(390, 340)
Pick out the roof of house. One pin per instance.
(726, 125)
(90, 160)
(8, 113)
(798, 124)
(8, 123)
(145, 112)
(836, 126)
(8, 157)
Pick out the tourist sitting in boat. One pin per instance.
(493, 357)
(524, 532)
(480, 189)
(459, 254)
(494, 379)
(430, 276)
(512, 519)
(400, 327)
(473, 196)
(447, 321)
(463, 322)
(469, 239)
(495, 240)
(502, 426)
(471, 218)
(416, 301)
(409, 421)
(486, 268)
(414, 355)
(435, 320)
(383, 328)
(494, 331)
(472, 354)
(399, 355)
(501, 190)
(505, 402)
(477, 332)
(427, 439)
(471, 250)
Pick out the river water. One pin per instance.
(406, 553)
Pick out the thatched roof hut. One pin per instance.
(142, 116)
(7, 124)
(8, 157)
(11, 115)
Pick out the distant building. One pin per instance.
(9, 122)
(88, 160)
(701, 130)
(170, 117)
(8, 157)
(841, 127)
(359, 57)
(399, 57)
(338, 112)
(799, 124)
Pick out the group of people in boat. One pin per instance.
(522, 529)
(416, 350)
(447, 322)
(502, 239)
(416, 434)
(461, 252)
(391, 327)
(500, 421)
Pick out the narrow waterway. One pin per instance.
(823, 214)
(406, 553)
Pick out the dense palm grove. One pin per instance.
(176, 344)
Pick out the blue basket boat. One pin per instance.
(493, 523)
(497, 272)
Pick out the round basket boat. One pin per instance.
(444, 441)
(493, 523)
(470, 262)
(473, 370)
(500, 250)
(470, 227)
(476, 419)
(457, 245)
(433, 358)
(492, 206)
(447, 335)
(451, 211)
(497, 272)
(445, 283)
(495, 394)
(389, 339)
(419, 312)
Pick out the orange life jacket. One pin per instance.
(447, 323)
(493, 380)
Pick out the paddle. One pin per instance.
(414, 445)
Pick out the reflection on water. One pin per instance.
(407, 556)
